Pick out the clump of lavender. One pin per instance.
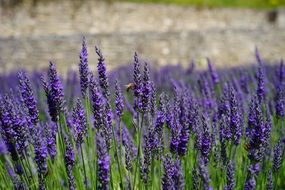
(80, 122)
(69, 159)
(28, 97)
(103, 161)
(83, 68)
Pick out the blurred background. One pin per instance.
(32, 32)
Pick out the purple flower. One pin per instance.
(146, 90)
(3, 148)
(41, 153)
(230, 176)
(195, 179)
(69, 159)
(235, 124)
(119, 102)
(130, 149)
(54, 93)
(281, 73)
(169, 171)
(178, 178)
(97, 104)
(79, 122)
(269, 185)
(159, 122)
(137, 83)
(279, 101)
(28, 97)
(204, 173)
(214, 74)
(277, 156)
(103, 161)
(83, 68)
(175, 128)
(103, 79)
(50, 133)
(206, 141)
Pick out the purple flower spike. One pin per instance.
(97, 104)
(137, 83)
(147, 90)
(119, 100)
(69, 163)
(103, 160)
(235, 118)
(3, 148)
(50, 133)
(28, 97)
(79, 122)
(279, 101)
(103, 79)
(269, 185)
(277, 156)
(41, 154)
(169, 171)
(83, 68)
(54, 93)
(230, 176)
(214, 74)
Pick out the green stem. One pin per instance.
(139, 149)
(118, 159)
(82, 157)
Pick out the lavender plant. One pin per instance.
(170, 128)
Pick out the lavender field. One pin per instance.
(138, 127)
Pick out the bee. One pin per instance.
(130, 86)
(247, 146)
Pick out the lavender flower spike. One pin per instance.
(137, 83)
(28, 97)
(69, 163)
(103, 79)
(277, 156)
(169, 171)
(103, 163)
(214, 74)
(83, 68)
(119, 100)
(147, 90)
(80, 122)
(41, 154)
(230, 176)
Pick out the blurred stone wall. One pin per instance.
(30, 36)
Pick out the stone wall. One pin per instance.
(161, 34)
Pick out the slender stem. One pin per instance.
(139, 149)
(82, 157)
(118, 159)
